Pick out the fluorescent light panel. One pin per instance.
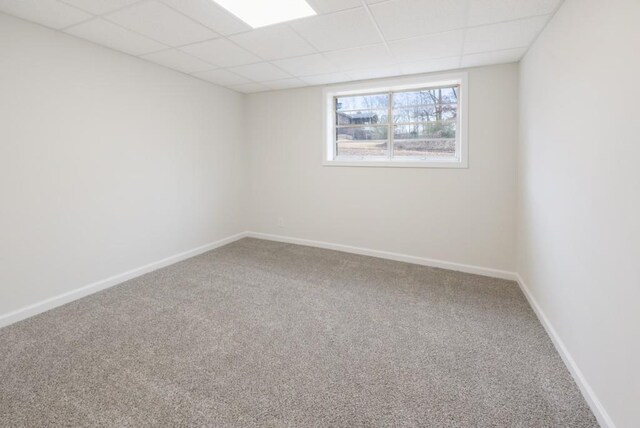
(260, 13)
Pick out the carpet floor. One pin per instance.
(260, 333)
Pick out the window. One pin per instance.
(406, 122)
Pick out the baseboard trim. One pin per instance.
(592, 400)
(587, 392)
(69, 296)
(494, 273)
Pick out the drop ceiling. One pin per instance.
(348, 39)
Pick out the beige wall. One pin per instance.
(107, 163)
(457, 215)
(579, 187)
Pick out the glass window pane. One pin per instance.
(433, 149)
(423, 122)
(362, 148)
(426, 97)
(363, 102)
(426, 113)
(362, 117)
(425, 130)
(362, 133)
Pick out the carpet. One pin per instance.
(260, 333)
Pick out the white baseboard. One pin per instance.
(587, 392)
(78, 293)
(594, 403)
(495, 273)
(61, 299)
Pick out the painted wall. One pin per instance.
(107, 163)
(579, 187)
(457, 215)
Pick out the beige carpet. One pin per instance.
(260, 333)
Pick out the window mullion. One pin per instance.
(335, 127)
(390, 125)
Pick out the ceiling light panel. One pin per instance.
(260, 13)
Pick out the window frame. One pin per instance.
(404, 84)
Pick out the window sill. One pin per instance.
(397, 164)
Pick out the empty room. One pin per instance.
(320, 213)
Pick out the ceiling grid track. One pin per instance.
(346, 41)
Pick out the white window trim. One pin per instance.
(397, 84)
